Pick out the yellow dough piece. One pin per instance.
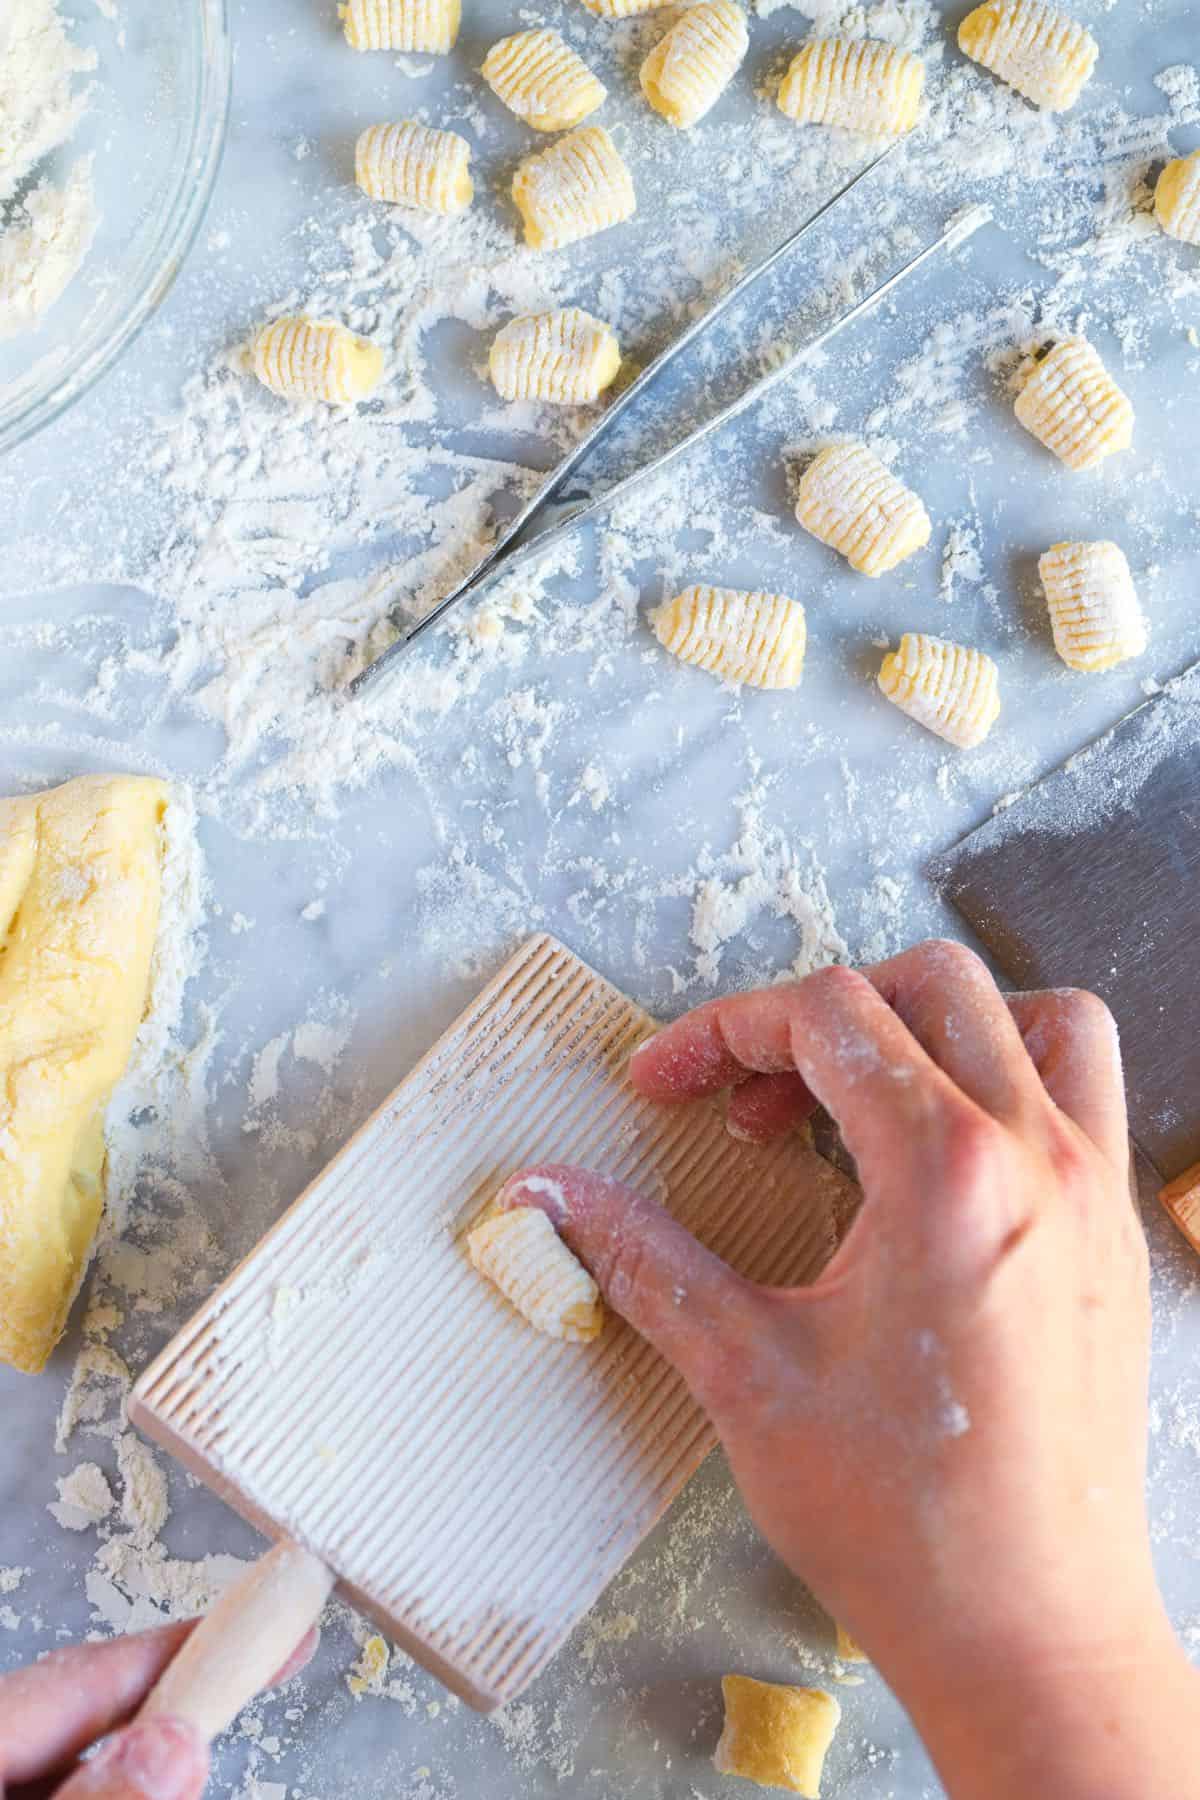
(853, 503)
(623, 9)
(567, 357)
(1177, 198)
(579, 186)
(775, 1735)
(689, 69)
(756, 638)
(1071, 404)
(521, 1252)
(855, 83)
(428, 27)
(316, 359)
(1093, 605)
(415, 165)
(541, 79)
(948, 688)
(1043, 53)
(80, 878)
(848, 1649)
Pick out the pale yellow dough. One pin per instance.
(776, 1735)
(80, 878)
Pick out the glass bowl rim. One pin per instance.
(175, 233)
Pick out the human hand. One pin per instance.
(945, 1433)
(53, 1711)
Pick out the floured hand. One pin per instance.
(945, 1434)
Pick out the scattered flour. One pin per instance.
(84, 1498)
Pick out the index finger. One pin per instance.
(717, 1045)
(52, 1710)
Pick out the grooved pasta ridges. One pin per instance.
(369, 1447)
(410, 25)
(1177, 198)
(951, 690)
(856, 83)
(315, 359)
(691, 66)
(623, 9)
(752, 638)
(1072, 405)
(568, 357)
(1093, 605)
(1042, 52)
(414, 165)
(851, 501)
(578, 186)
(542, 80)
(521, 1253)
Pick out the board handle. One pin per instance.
(244, 1641)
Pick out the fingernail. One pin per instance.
(160, 1758)
(524, 1188)
(644, 1045)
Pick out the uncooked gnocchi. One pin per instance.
(691, 66)
(1035, 48)
(316, 359)
(752, 638)
(948, 688)
(853, 503)
(776, 1735)
(855, 83)
(414, 165)
(541, 79)
(1177, 198)
(1071, 404)
(566, 357)
(522, 1254)
(427, 27)
(579, 186)
(1093, 604)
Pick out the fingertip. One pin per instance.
(545, 1187)
(767, 1107)
(159, 1758)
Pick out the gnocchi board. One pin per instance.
(357, 1387)
(1090, 880)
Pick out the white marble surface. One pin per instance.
(431, 871)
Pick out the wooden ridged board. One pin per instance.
(356, 1386)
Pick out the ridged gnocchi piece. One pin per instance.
(776, 1735)
(1094, 611)
(624, 9)
(1042, 52)
(414, 165)
(541, 79)
(1072, 405)
(752, 638)
(316, 359)
(853, 503)
(1177, 198)
(855, 83)
(426, 26)
(575, 188)
(522, 1254)
(567, 357)
(691, 66)
(949, 689)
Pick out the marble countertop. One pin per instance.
(681, 839)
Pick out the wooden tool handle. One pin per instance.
(1181, 1198)
(244, 1641)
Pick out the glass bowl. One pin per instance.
(155, 127)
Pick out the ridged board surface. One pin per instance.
(357, 1386)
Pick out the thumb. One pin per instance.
(690, 1305)
(156, 1759)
